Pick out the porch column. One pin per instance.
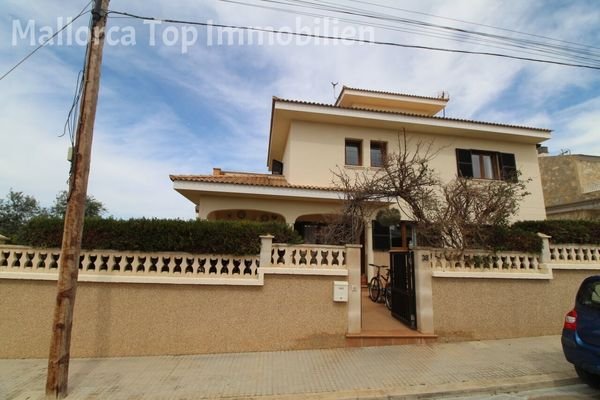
(201, 211)
(354, 295)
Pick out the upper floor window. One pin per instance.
(353, 152)
(378, 153)
(486, 164)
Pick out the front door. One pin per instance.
(404, 305)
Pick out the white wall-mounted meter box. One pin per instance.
(340, 291)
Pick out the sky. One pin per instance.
(173, 105)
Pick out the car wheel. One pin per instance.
(591, 379)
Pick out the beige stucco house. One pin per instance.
(571, 186)
(308, 141)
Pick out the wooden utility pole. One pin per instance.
(60, 345)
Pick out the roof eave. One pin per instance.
(299, 106)
(437, 100)
(232, 189)
(269, 163)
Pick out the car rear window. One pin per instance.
(589, 294)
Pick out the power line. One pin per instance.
(336, 8)
(429, 32)
(329, 37)
(325, 5)
(468, 22)
(46, 41)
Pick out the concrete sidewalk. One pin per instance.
(348, 373)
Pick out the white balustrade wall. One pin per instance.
(574, 256)
(480, 264)
(505, 264)
(309, 256)
(574, 253)
(18, 262)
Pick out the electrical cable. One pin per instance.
(329, 37)
(334, 7)
(72, 116)
(562, 52)
(468, 22)
(423, 31)
(46, 41)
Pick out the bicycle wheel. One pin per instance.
(388, 297)
(374, 289)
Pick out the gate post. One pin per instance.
(545, 256)
(266, 245)
(424, 290)
(354, 290)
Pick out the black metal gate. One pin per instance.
(404, 307)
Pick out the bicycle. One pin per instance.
(380, 290)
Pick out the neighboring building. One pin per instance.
(310, 140)
(571, 186)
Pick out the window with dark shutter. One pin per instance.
(480, 164)
(508, 167)
(465, 166)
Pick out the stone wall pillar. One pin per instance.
(266, 246)
(545, 256)
(354, 295)
(424, 290)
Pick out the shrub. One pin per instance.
(495, 238)
(217, 237)
(565, 231)
(513, 238)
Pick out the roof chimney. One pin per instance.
(542, 150)
(217, 171)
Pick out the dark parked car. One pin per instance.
(581, 332)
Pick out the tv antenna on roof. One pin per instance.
(334, 85)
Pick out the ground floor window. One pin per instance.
(402, 235)
(311, 232)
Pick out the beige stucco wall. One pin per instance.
(286, 159)
(111, 319)
(466, 309)
(317, 149)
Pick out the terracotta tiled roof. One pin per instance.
(247, 179)
(310, 103)
(390, 93)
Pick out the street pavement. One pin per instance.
(570, 392)
(479, 368)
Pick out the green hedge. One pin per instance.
(513, 238)
(500, 238)
(217, 237)
(565, 231)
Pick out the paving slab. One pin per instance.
(408, 371)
